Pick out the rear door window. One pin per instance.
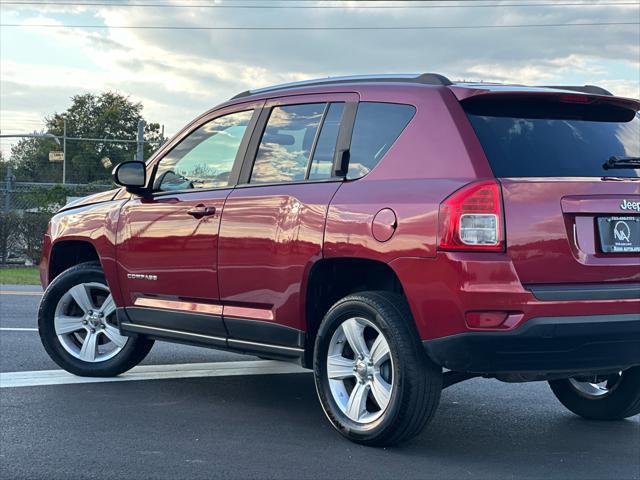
(287, 142)
(555, 140)
(322, 164)
(377, 127)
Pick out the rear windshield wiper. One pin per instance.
(621, 162)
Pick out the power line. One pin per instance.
(81, 139)
(268, 29)
(319, 7)
(194, 2)
(18, 120)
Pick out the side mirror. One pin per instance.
(132, 175)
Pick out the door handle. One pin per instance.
(200, 211)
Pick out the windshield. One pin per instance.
(525, 144)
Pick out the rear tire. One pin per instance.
(375, 382)
(78, 329)
(614, 397)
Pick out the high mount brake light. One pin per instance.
(471, 219)
(573, 98)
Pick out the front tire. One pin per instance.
(609, 397)
(375, 382)
(77, 325)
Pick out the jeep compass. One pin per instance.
(396, 234)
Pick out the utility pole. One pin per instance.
(8, 186)
(8, 189)
(64, 150)
(140, 151)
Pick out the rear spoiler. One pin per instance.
(543, 93)
(592, 89)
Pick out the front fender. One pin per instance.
(96, 224)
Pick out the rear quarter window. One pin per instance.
(377, 126)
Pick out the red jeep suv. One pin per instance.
(397, 234)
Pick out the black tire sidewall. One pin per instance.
(622, 402)
(345, 309)
(124, 360)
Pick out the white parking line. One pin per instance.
(26, 293)
(152, 372)
(17, 329)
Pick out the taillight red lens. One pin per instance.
(471, 219)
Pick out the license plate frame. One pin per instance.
(619, 234)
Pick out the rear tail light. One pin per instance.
(471, 219)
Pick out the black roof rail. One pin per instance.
(593, 89)
(424, 78)
(433, 79)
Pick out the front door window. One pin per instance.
(205, 158)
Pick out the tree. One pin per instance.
(108, 115)
(30, 161)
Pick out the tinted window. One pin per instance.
(376, 128)
(574, 141)
(286, 143)
(205, 158)
(322, 163)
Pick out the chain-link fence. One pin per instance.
(25, 210)
(27, 196)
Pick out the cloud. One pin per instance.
(179, 74)
(624, 88)
(577, 69)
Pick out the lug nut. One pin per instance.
(93, 330)
(84, 322)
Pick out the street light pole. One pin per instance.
(140, 149)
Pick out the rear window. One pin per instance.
(544, 139)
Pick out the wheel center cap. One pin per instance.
(94, 319)
(361, 368)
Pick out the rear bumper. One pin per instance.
(572, 344)
(443, 290)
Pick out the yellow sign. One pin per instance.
(56, 156)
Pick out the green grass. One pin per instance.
(19, 276)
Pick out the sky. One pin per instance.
(180, 73)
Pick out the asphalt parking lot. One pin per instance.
(196, 413)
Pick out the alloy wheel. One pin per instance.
(596, 386)
(85, 323)
(360, 370)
